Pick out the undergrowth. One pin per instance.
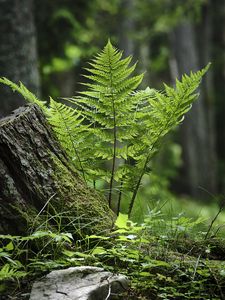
(160, 257)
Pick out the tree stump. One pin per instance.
(38, 186)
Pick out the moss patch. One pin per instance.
(81, 209)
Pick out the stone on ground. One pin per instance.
(83, 283)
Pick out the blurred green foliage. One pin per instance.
(71, 31)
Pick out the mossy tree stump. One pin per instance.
(38, 184)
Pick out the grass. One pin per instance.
(165, 257)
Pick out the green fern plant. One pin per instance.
(129, 125)
(109, 107)
(67, 124)
(161, 112)
(112, 131)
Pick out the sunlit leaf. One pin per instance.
(99, 250)
(9, 246)
(121, 221)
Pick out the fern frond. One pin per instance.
(27, 95)
(164, 111)
(108, 104)
(67, 124)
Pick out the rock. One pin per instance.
(83, 283)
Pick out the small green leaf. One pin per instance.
(100, 237)
(99, 250)
(83, 255)
(144, 274)
(121, 221)
(69, 253)
(9, 246)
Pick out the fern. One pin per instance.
(67, 124)
(111, 123)
(128, 126)
(108, 106)
(8, 272)
(21, 89)
(162, 112)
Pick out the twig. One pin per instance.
(120, 196)
(213, 221)
(109, 284)
(206, 236)
(196, 266)
(109, 291)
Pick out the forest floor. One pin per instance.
(170, 264)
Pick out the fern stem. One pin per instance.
(131, 205)
(145, 165)
(119, 198)
(142, 174)
(114, 137)
(114, 157)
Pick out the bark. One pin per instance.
(65, 82)
(126, 27)
(198, 153)
(35, 177)
(18, 55)
(205, 45)
(218, 21)
(144, 64)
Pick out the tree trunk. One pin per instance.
(218, 21)
(18, 55)
(198, 168)
(204, 33)
(37, 183)
(126, 27)
(144, 64)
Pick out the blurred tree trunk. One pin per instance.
(65, 82)
(144, 64)
(128, 38)
(205, 46)
(126, 27)
(218, 20)
(197, 136)
(18, 55)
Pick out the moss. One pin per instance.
(211, 248)
(32, 220)
(80, 207)
(73, 207)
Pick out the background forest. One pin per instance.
(170, 244)
(168, 38)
